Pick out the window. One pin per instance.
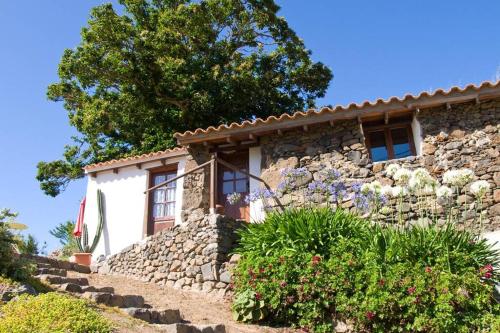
(386, 142)
(163, 198)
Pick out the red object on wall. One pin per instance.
(77, 232)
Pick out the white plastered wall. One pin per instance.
(124, 206)
(257, 213)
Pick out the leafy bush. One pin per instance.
(312, 267)
(52, 313)
(249, 307)
(301, 230)
(11, 265)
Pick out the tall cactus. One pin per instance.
(83, 242)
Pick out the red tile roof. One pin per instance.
(352, 110)
(126, 161)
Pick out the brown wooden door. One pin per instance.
(230, 181)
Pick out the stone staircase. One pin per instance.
(54, 273)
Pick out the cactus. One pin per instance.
(83, 242)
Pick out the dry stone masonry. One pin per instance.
(192, 256)
(467, 136)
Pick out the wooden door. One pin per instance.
(230, 181)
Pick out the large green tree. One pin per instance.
(155, 67)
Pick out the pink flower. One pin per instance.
(258, 296)
(370, 315)
(411, 290)
(487, 271)
(283, 284)
(428, 269)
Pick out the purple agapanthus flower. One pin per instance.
(259, 194)
(337, 191)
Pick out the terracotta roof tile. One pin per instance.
(409, 98)
(134, 159)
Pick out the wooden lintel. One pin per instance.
(138, 165)
(163, 161)
(386, 117)
(115, 170)
(230, 140)
(93, 174)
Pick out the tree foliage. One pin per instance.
(161, 66)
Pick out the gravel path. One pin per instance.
(196, 308)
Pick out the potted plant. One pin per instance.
(84, 257)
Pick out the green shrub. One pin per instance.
(426, 279)
(301, 230)
(11, 265)
(248, 307)
(51, 313)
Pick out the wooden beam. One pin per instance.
(115, 170)
(163, 161)
(478, 101)
(230, 140)
(305, 128)
(331, 123)
(239, 147)
(448, 106)
(93, 174)
(138, 166)
(280, 132)
(213, 180)
(251, 136)
(386, 118)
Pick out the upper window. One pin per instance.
(163, 198)
(389, 141)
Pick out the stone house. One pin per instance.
(439, 131)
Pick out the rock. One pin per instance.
(496, 195)
(139, 313)
(454, 145)
(225, 277)
(71, 287)
(133, 301)
(189, 328)
(206, 271)
(354, 156)
(428, 148)
(98, 297)
(235, 258)
(52, 271)
(8, 292)
(167, 316)
(116, 301)
(81, 268)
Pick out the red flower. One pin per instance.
(270, 266)
(487, 271)
(316, 260)
(381, 282)
(428, 269)
(283, 284)
(411, 290)
(261, 270)
(370, 315)
(258, 296)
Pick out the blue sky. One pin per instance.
(375, 49)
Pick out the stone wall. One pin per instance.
(196, 192)
(192, 256)
(467, 136)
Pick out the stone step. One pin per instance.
(43, 265)
(155, 316)
(114, 300)
(45, 262)
(52, 271)
(55, 279)
(75, 288)
(190, 328)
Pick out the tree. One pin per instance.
(64, 232)
(171, 65)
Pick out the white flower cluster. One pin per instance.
(480, 188)
(458, 178)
